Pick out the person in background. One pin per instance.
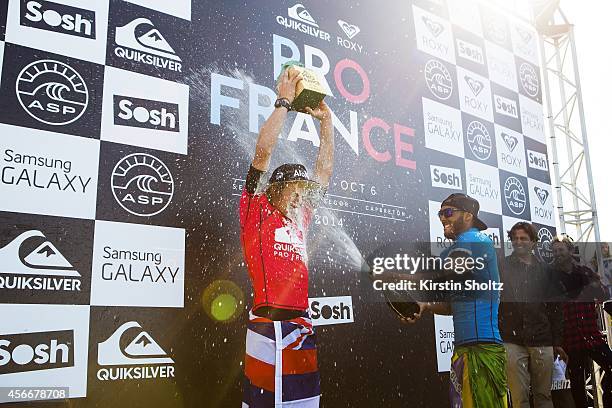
(281, 358)
(530, 327)
(583, 339)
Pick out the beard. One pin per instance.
(458, 225)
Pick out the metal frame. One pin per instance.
(573, 179)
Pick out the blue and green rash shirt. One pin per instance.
(475, 313)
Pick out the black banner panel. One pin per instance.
(128, 128)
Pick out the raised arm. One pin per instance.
(325, 159)
(268, 135)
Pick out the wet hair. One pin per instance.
(525, 226)
(566, 240)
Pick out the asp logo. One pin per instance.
(438, 79)
(446, 177)
(142, 184)
(141, 42)
(24, 352)
(141, 358)
(145, 113)
(59, 18)
(530, 81)
(479, 140)
(52, 92)
(514, 194)
(43, 268)
(544, 247)
(331, 310)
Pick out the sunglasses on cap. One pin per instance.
(448, 212)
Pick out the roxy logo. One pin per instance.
(438, 79)
(475, 85)
(52, 92)
(145, 113)
(331, 310)
(514, 194)
(301, 20)
(525, 35)
(59, 18)
(445, 177)
(350, 30)
(529, 80)
(505, 106)
(537, 160)
(24, 352)
(542, 194)
(470, 52)
(479, 140)
(510, 141)
(141, 42)
(434, 27)
(141, 358)
(142, 184)
(31, 262)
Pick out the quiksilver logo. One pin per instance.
(141, 358)
(140, 41)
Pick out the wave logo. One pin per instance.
(299, 12)
(438, 79)
(52, 92)
(529, 79)
(514, 193)
(142, 184)
(479, 140)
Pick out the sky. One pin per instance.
(592, 32)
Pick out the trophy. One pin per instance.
(308, 92)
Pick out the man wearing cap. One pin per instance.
(478, 365)
(281, 360)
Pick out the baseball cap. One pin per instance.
(467, 204)
(291, 172)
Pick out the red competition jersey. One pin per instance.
(275, 253)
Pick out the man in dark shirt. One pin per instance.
(583, 339)
(531, 328)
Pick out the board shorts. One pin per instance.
(281, 364)
(478, 377)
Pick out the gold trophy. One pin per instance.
(308, 92)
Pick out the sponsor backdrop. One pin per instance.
(127, 130)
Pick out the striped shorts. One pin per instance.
(281, 364)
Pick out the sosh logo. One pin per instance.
(446, 177)
(145, 113)
(331, 310)
(52, 92)
(25, 352)
(59, 18)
